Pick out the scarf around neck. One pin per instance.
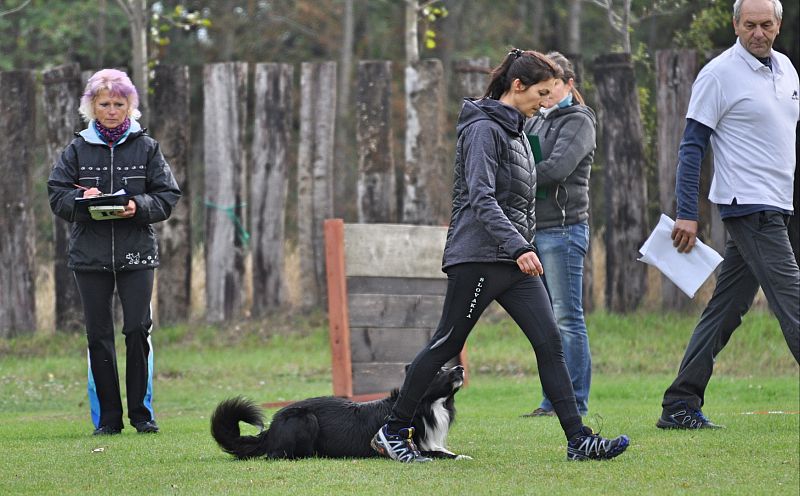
(112, 135)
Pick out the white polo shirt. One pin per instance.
(753, 111)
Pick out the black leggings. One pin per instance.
(135, 288)
(470, 289)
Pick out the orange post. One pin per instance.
(338, 317)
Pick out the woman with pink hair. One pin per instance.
(112, 183)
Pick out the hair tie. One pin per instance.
(516, 52)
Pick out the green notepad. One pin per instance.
(536, 148)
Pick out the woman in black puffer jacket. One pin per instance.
(113, 154)
(489, 256)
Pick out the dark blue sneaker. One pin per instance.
(590, 446)
(682, 417)
(399, 447)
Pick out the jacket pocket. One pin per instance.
(134, 185)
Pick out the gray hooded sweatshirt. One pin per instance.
(567, 137)
(494, 186)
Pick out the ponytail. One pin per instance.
(529, 66)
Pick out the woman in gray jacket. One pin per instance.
(489, 256)
(566, 133)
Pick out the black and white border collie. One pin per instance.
(336, 427)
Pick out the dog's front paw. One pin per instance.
(463, 457)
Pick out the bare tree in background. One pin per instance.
(574, 26)
(136, 12)
(345, 178)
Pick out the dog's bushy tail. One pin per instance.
(225, 428)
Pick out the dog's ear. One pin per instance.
(408, 365)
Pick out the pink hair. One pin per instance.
(117, 83)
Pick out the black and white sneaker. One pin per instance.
(683, 417)
(398, 446)
(590, 446)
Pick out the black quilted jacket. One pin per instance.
(494, 187)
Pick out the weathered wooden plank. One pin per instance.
(394, 250)
(17, 224)
(314, 173)
(376, 177)
(472, 76)
(170, 113)
(395, 310)
(381, 344)
(374, 377)
(62, 89)
(675, 71)
(625, 180)
(377, 376)
(224, 96)
(428, 175)
(396, 285)
(269, 183)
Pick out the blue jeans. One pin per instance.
(561, 251)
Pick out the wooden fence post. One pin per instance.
(338, 316)
(675, 72)
(314, 178)
(426, 178)
(62, 89)
(169, 118)
(375, 143)
(17, 225)
(472, 77)
(269, 182)
(625, 185)
(225, 97)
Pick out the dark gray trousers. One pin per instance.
(758, 253)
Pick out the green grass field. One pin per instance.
(47, 447)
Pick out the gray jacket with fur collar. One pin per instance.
(567, 137)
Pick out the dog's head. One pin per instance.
(446, 383)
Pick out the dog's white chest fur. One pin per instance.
(436, 434)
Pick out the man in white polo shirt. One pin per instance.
(745, 102)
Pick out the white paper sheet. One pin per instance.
(687, 270)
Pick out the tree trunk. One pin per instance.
(537, 21)
(170, 112)
(374, 142)
(269, 182)
(344, 163)
(675, 72)
(17, 225)
(426, 185)
(314, 182)
(472, 77)
(137, 13)
(411, 39)
(625, 185)
(574, 26)
(62, 88)
(225, 97)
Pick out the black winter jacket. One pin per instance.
(493, 218)
(135, 164)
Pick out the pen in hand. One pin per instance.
(88, 192)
